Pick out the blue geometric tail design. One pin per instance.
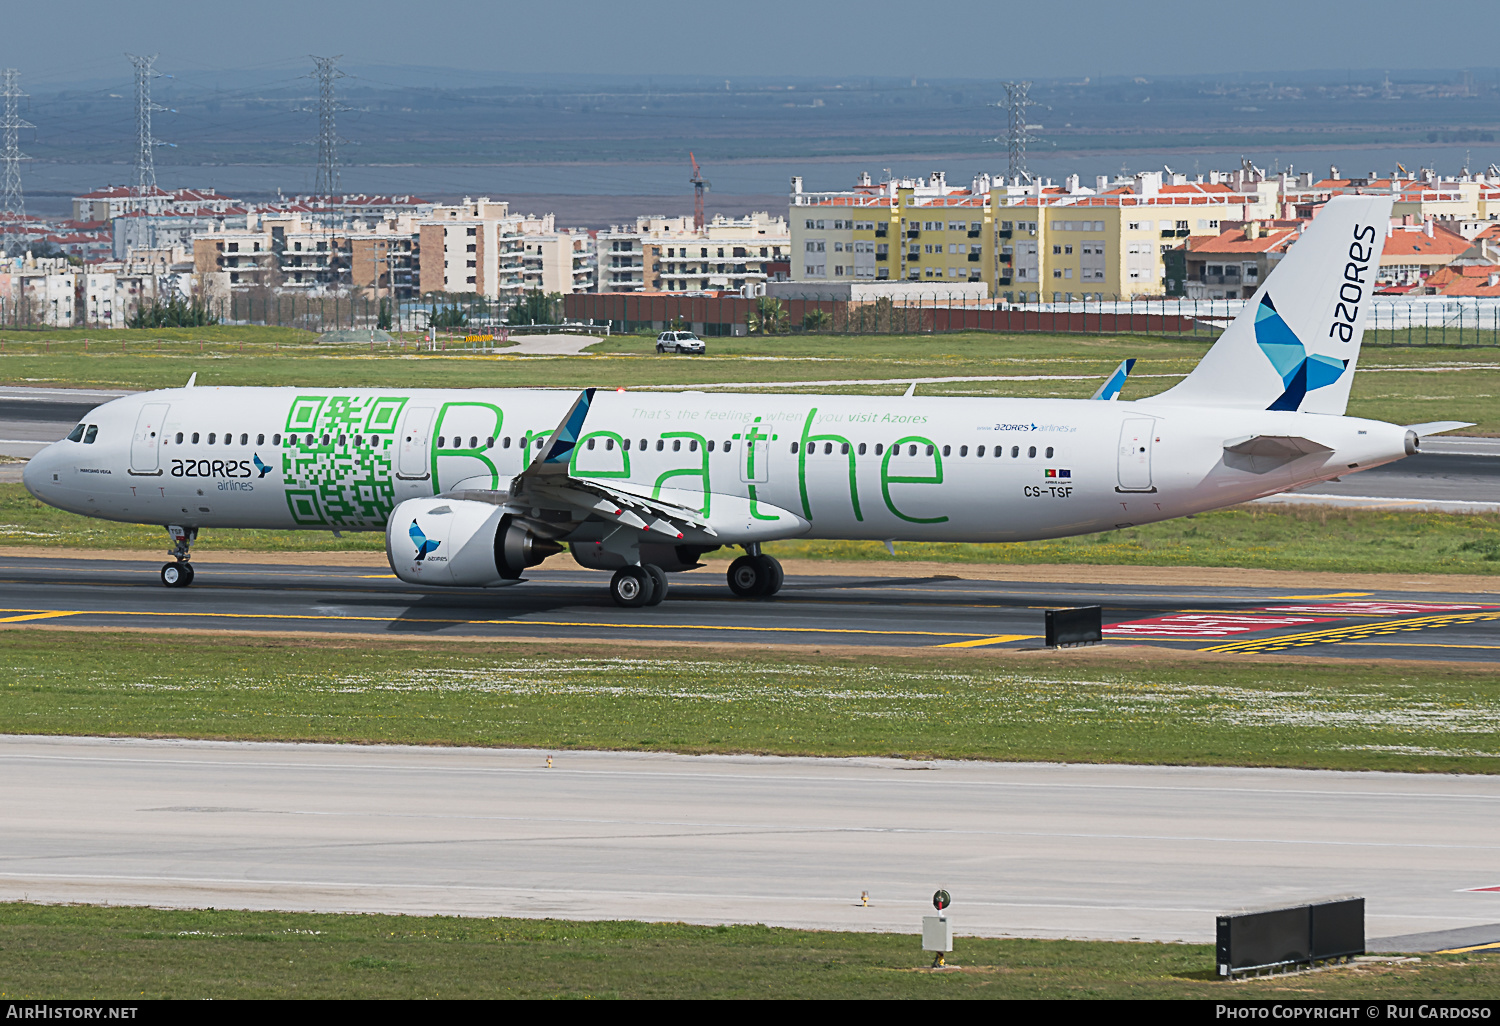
(424, 544)
(1299, 372)
(565, 440)
(1116, 381)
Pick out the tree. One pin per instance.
(816, 320)
(175, 313)
(383, 317)
(537, 307)
(447, 317)
(768, 317)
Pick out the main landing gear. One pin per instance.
(755, 576)
(179, 574)
(634, 586)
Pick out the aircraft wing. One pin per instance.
(555, 502)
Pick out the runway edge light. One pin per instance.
(937, 931)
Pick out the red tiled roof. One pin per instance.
(1234, 242)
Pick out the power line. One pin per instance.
(145, 148)
(1018, 101)
(11, 197)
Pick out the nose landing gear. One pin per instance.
(179, 574)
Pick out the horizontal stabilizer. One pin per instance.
(1437, 427)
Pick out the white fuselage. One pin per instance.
(855, 467)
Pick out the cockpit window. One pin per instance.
(76, 435)
(91, 434)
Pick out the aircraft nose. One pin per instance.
(37, 474)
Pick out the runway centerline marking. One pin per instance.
(500, 623)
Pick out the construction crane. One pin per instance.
(700, 186)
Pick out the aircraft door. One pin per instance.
(1136, 435)
(755, 453)
(412, 445)
(145, 444)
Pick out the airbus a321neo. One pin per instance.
(473, 486)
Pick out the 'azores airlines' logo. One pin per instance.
(1300, 373)
(425, 545)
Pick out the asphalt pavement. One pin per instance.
(1108, 852)
(907, 612)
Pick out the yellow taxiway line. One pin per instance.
(47, 614)
(998, 639)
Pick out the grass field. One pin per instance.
(1404, 385)
(82, 952)
(1287, 538)
(1050, 707)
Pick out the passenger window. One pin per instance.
(505, 442)
(76, 435)
(1049, 452)
(929, 450)
(489, 443)
(1031, 453)
(963, 450)
(911, 450)
(245, 438)
(275, 439)
(980, 451)
(879, 448)
(1015, 451)
(325, 439)
(711, 446)
(179, 438)
(260, 439)
(693, 445)
(195, 438)
(591, 443)
(726, 446)
(539, 441)
(660, 445)
(794, 447)
(676, 445)
(211, 437)
(947, 449)
(861, 448)
(343, 439)
(91, 434)
(844, 448)
(442, 441)
(641, 445)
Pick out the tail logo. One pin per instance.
(425, 546)
(264, 470)
(1300, 373)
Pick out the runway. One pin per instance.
(939, 611)
(1108, 852)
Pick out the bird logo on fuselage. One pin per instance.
(425, 545)
(264, 470)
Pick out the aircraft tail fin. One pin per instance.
(1116, 381)
(1296, 343)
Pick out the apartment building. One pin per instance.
(670, 254)
(280, 250)
(480, 247)
(561, 261)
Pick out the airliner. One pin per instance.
(474, 486)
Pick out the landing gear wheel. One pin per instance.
(659, 580)
(632, 587)
(752, 576)
(177, 575)
(777, 575)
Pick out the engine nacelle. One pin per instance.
(460, 543)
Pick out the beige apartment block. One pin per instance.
(670, 254)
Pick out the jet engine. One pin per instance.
(460, 543)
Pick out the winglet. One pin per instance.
(559, 449)
(1116, 381)
(191, 378)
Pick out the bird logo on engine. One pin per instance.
(425, 545)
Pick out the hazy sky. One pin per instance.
(51, 42)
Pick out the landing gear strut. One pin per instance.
(755, 576)
(179, 574)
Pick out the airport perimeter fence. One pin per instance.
(476, 321)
